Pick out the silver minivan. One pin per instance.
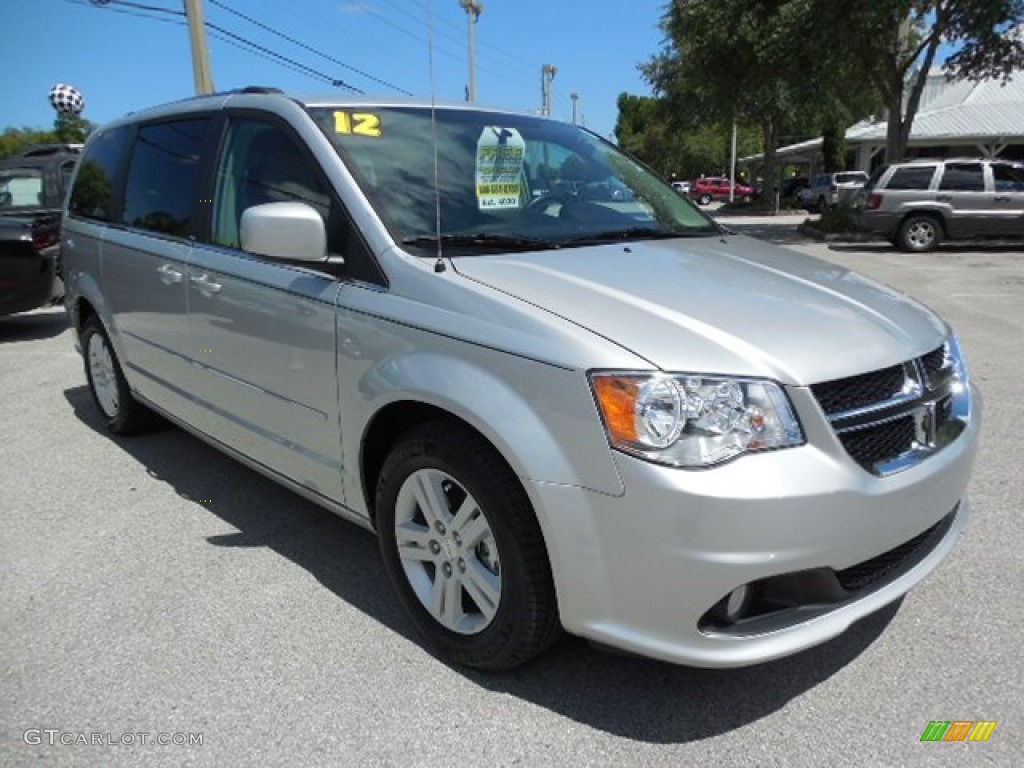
(559, 408)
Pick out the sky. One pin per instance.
(122, 57)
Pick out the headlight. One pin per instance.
(693, 421)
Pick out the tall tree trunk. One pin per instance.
(833, 146)
(895, 141)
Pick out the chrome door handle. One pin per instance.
(205, 285)
(943, 198)
(169, 275)
(1002, 198)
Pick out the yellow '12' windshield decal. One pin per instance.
(359, 123)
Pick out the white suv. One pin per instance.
(829, 189)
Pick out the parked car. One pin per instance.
(918, 204)
(682, 187)
(710, 188)
(32, 186)
(829, 189)
(612, 417)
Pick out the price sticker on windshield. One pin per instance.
(500, 153)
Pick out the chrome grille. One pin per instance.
(890, 419)
(859, 391)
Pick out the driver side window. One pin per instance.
(260, 164)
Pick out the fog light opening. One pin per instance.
(733, 606)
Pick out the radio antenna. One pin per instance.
(439, 265)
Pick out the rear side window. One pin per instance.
(161, 191)
(915, 177)
(963, 177)
(1008, 178)
(21, 187)
(93, 193)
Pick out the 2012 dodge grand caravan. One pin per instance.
(557, 407)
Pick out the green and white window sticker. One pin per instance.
(499, 168)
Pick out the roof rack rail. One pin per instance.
(259, 89)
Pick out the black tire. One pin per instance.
(704, 199)
(454, 464)
(920, 233)
(822, 205)
(123, 413)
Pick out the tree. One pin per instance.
(13, 140)
(672, 140)
(895, 43)
(731, 60)
(71, 129)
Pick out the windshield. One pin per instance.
(505, 181)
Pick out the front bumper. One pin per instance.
(640, 571)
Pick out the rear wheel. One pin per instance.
(463, 549)
(919, 233)
(123, 413)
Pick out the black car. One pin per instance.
(32, 186)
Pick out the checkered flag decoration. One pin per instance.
(66, 99)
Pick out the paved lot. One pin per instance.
(153, 586)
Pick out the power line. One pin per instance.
(300, 44)
(141, 10)
(282, 57)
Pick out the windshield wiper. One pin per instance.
(483, 240)
(635, 233)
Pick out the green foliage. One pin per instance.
(812, 67)
(68, 129)
(71, 129)
(13, 140)
(673, 141)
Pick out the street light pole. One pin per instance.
(575, 97)
(473, 9)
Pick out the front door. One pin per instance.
(263, 331)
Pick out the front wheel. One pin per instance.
(463, 549)
(704, 199)
(919, 233)
(123, 413)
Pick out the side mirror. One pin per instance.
(290, 231)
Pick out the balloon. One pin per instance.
(66, 99)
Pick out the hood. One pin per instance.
(727, 305)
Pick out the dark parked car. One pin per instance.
(32, 186)
(919, 203)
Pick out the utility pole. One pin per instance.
(473, 9)
(575, 97)
(200, 53)
(547, 74)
